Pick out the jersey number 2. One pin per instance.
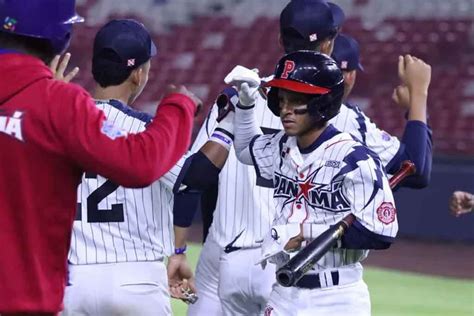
(96, 215)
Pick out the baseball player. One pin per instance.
(240, 287)
(318, 175)
(122, 235)
(50, 132)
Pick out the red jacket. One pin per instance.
(50, 132)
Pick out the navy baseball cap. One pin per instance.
(346, 53)
(306, 21)
(123, 42)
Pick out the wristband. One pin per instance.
(180, 251)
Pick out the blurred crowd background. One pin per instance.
(200, 41)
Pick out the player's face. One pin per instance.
(293, 112)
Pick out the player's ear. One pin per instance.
(350, 76)
(280, 41)
(137, 76)
(327, 46)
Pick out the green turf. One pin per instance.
(396, 293)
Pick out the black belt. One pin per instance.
(312, 281)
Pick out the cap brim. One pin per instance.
(337, 14)
(360, 67)
(296, 86)
(153, 49)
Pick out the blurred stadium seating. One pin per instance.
(200, 41)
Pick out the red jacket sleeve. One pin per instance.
(135, 160)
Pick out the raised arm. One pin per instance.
(129, 160)
(416, 143)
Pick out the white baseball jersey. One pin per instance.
(336, 176)
(352, 120)
(117, 224)
(243, 209)
(246, 211)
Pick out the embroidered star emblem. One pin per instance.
(305, 187)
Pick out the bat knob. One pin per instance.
(285, 277)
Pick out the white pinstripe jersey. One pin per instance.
(243, 207)
(352, 120)
(117, 224)
(336, 176)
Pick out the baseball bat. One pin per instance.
(297, 266)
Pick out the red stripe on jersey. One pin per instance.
(339, 141)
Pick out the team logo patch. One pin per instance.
(9, 24)
(131, 62)
(268, 310)
(313, 37)
(274, 234)
(385, 136)
(386, 213)
(344, 64)
(289, 67)
(332, 164)
(327, 196)
(111, 131)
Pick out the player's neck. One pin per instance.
(307, 138)
(113, 92)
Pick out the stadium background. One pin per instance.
(199, 42)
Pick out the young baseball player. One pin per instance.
(50, 132)
(319, 175)
(240, 287)
(122, 235)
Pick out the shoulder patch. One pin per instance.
(111, 131)
(386, 213)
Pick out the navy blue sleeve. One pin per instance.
(416, 145)
(186, 204)
(198, 173)
(359, 237)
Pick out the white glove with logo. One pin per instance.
(273, 244)
(247, 82)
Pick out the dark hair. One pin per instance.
(38, 47)
(107, 69)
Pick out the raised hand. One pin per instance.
(461, 203)
(414, 73)
(183, 90)
(58, 68)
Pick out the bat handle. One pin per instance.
(407, 168)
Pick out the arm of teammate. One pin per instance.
(416, 143)
(202, 169)
(129, 160)
(180, 274)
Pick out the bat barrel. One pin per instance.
(293, 271)
(286, 277)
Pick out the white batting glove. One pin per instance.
(247, 81)
(275, 241)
